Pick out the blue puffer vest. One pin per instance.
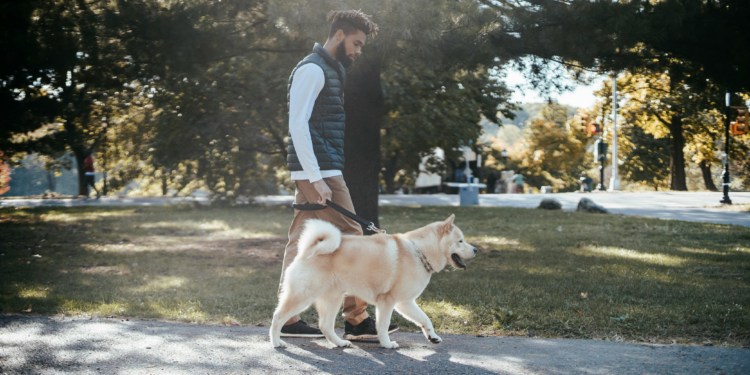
(327, 119)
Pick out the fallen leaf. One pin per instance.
(585, 295)
(27, 310)
(579, 313)
(233, 323)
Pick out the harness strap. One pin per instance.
(316, 207)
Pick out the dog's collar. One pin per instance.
(425, 263)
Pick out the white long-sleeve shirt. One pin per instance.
(307, 83)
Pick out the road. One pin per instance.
(689, 206)
(44, 345)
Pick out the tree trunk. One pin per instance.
(389, 174)
(51, 181)
(678, 181)
(164, 189)
(80, 155)
(364, 105)
(707, 179)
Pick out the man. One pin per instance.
(89, 176)
(316, 151)
(518, 181)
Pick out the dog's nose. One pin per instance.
(475, 250)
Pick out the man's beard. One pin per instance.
(341, 55)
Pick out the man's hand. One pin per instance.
(323, 190)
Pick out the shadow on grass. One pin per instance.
(117, 261)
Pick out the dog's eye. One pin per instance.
(459, 241)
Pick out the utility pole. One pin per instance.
(105, 188)
(725, 199)
(614, 182)
(602, 158)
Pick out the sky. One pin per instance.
(582, 96)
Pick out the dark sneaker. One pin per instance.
(300, 329)
(365, 330)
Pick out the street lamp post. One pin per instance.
(725, 199)
(614, 182)
(104, 161)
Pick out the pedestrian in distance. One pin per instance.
(518, 183)
(316, 152)
(89, 177)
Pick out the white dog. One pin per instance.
(388, 271)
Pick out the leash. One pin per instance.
(317, 207)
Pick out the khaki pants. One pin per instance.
(354, 308)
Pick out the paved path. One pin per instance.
(668, 205)
(689, 206)
(41, 345)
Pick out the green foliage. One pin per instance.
(655, 108)
(615, 35)
(646, 158)
(189, 94)
(554, 151)
(429, 109)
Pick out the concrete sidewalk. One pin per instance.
(43, 345)
(689, 206)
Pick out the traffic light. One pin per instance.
(593, 129)
(600, 151)
(584, 123)
(740, 127)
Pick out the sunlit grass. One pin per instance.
(610, 252)
(33, 292)
(566, 274)
(162, 283)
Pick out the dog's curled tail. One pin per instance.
(318, 238)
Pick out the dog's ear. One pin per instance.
(447, 224)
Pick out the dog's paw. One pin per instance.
(280, 344)
(435, 339)
(345, 344)
(390, 345)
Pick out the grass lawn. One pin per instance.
(562, 274)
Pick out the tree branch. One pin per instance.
(667, 123)
(257, 49)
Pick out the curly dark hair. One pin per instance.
(350, 21)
